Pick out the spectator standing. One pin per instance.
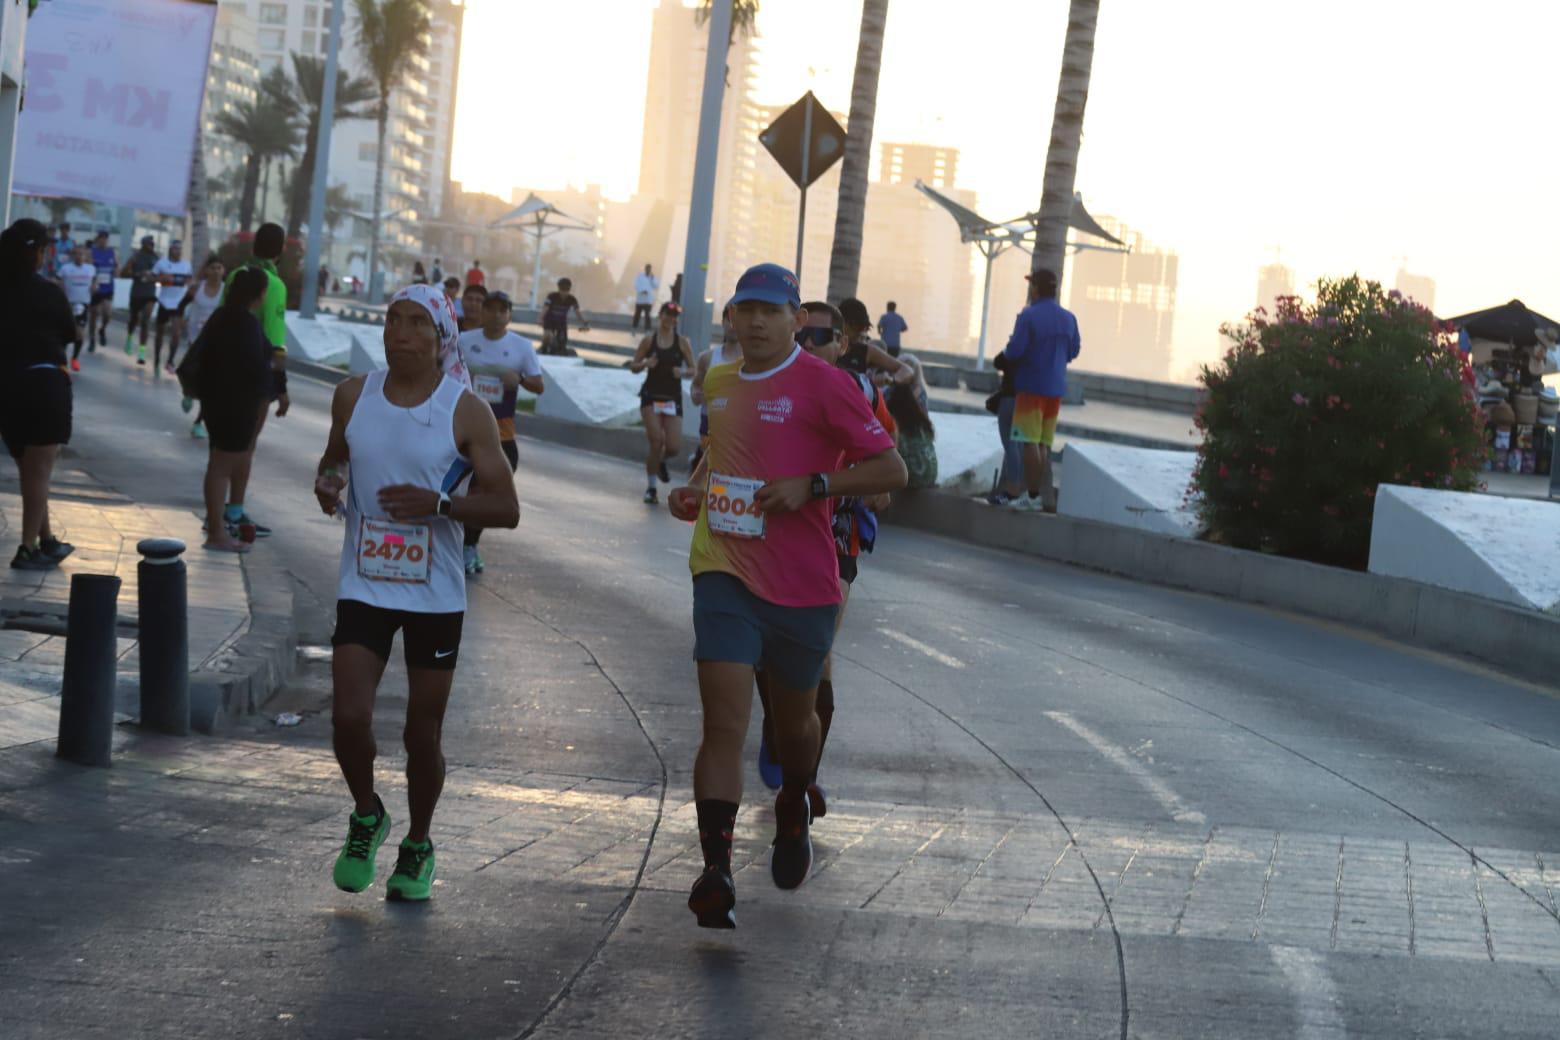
(419, 276)
(232, 360)
(1010, 480)
(475, 275)
(915, 434)
(892, 325)
(677, 289)
(645, 286)
(436, 276)
(1044, 342)
(35, 393)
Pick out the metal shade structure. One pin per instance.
(993, 238)
(538, 217)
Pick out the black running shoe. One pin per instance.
(651, 498)
(714, 899)
(791, 858)
(55, 549)
(32, 560)
(664, 474)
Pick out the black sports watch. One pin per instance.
(820, 486)
(444, 504)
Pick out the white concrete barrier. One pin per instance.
(1141, 488)
(969, 450)
(327, 340)
(1504, 549)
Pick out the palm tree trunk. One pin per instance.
(845, 261)
(379, 195)
(246, 203)
(303, 179)
(1061, 158)
(265, 192)
(200, 225)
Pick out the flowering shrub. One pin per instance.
(1314, 408)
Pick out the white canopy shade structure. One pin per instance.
(993, 238)
(539, 218)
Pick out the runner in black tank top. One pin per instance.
(664, 356)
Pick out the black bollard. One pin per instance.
(87, 695)
(165, 638)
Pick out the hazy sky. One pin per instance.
(1347, 133)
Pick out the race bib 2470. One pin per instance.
(400, 553)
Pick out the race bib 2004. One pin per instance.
(400, 553)
(731, 508)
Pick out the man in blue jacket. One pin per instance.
(1044, 342)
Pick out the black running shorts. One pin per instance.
(430, 641)
(35, 409)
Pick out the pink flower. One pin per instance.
(1300, 399)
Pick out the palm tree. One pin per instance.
(267, 128)
(308, 87)
(744, 16)
(200, 217)
(390, 33)
(845, 261)
(1061, 157)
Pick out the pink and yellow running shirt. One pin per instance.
(800, 418)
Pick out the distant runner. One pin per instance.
(468, 309)
(173, 273)
(410, 434)
(555, 318)
(500, 362)
(201, 301)
(664, 356)
(766, 583)
(143, 293)
(78, 279)
(107, 264)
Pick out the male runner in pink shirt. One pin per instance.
(787, 433)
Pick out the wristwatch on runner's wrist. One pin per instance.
(444, 504)
(820, 486)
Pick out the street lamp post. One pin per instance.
(696, 258)
(311, 261)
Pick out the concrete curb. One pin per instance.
(1523, 643)
(242, 677)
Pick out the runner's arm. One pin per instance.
(700, 369)
(534, 383)
(874, 475)
(639, 364)
(883, 361)
(330, 478)
(687, 353)
(494, 502)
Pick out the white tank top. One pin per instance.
(200, 308)
(415, 566)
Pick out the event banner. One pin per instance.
(112, 96)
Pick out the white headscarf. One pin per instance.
(432, 299)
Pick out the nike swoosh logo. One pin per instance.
(441, 654)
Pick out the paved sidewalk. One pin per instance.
(104, 525)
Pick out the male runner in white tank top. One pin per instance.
(411, 435)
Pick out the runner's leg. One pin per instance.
(423, 738)
(725, 691)
(671, 438)
(355, 674)
(655, 436)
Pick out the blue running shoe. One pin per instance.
(768, 768)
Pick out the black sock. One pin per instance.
(717, 821)
(825, 709)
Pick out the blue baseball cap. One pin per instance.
(768, 283)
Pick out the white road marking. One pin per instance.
(1315, 997)
(920, 647)
(1123, 760)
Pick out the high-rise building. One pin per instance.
(232, 78)
(1417, 287)
(420, 131)
(1124, 302)
(937, 166)
(678, 45)
(1273, 281)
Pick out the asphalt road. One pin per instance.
(1061, 804)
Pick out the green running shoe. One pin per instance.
(355, 866)
(413, 877)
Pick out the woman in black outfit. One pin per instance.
(665, 357)
(35, 395)
(233, 380)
